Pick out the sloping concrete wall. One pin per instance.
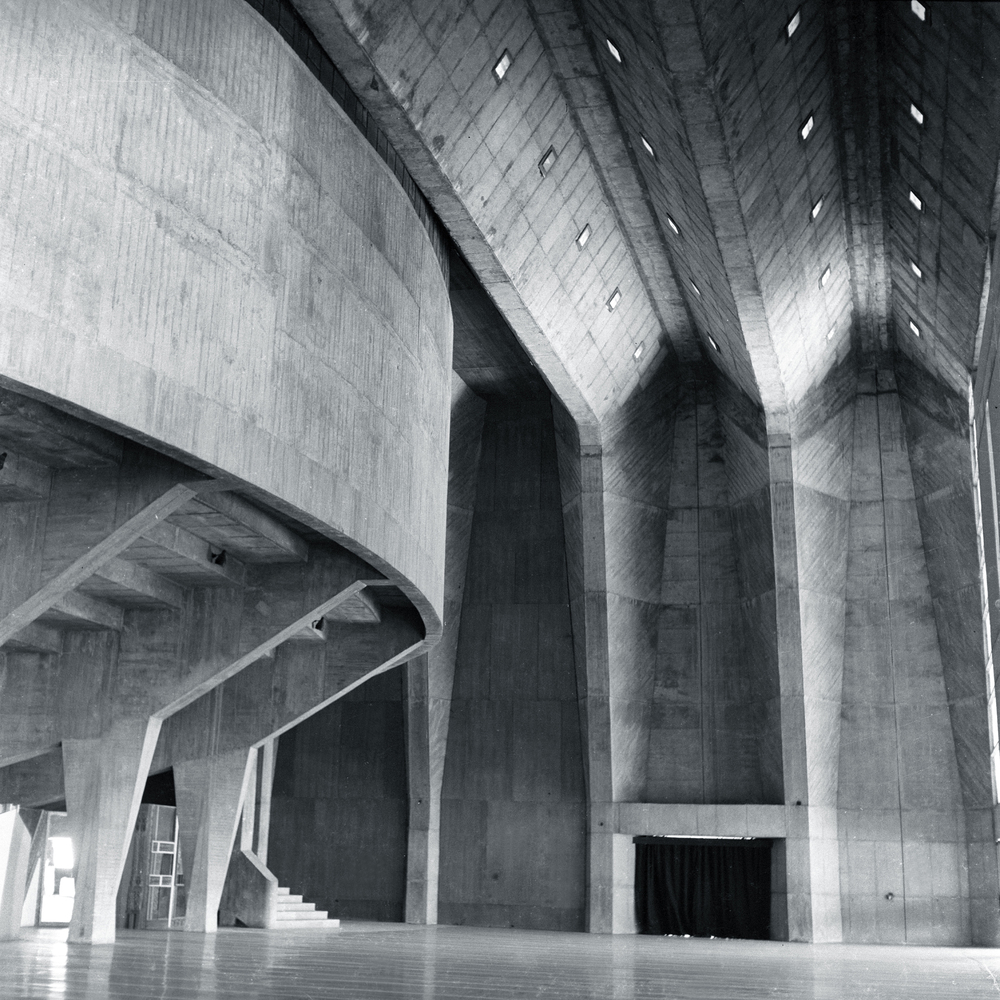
(512, 816)
(710, 739)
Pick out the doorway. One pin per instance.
(703, 887)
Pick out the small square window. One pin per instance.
(807, 127)
(916, 269)
(921, 11)
(547, 162)
(616, 297)
(673, 225)
(915, 201)
(914, 329)
(584, 236)
(646, 146)
(503, 64)
(817, 208)
(793, 24)
(613, 49)
(916, 114)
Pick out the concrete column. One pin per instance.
(249, 814)
(812, 848)
(104, 778)
(430, 678)
(210, 793)
(15, 847)
(266, 757)
(424, 834)
(623, 856)
(31, 914)
(581, 475)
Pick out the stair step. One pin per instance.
(293, 911)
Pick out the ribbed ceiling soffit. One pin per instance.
(727, 230)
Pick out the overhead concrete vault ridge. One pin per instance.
(454, 438)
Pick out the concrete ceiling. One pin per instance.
(687, 160)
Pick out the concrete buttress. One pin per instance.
(210, 794)
(105, 776)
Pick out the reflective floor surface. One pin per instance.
(365, 961)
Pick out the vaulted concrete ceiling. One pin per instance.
(745, 168)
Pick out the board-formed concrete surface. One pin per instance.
(210, 254)
(719, 558)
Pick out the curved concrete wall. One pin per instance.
(197, 246)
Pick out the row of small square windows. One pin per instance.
(920, 11)
(804, 132)
(546, 163)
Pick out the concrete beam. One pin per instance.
(91, 610)
(204, 555)
(34, 782)
(262, 649)
(22, 479)
(102, 447)
(237, 509)
(361, 608)
(37, 638)
(88, 564)
(695, 95)
(271, 696)
(135, 577)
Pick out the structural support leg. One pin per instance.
(425, 760)
(104, 782)
(266, 756)
(812, 849)
(15, 847)
(210, 794)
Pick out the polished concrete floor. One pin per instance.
(375, 961)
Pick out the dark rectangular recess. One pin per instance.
(703, 888)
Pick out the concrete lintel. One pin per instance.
(698, 820)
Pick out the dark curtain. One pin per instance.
(703, 888)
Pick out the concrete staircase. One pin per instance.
(294, 913)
